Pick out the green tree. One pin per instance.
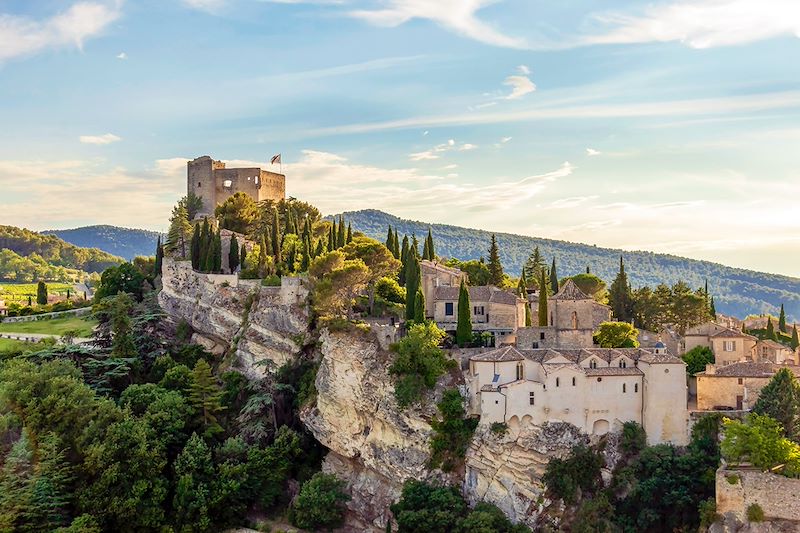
(495, 267)
(159, 259)
(403, 260)
(237, 213)
(553, 277)
(204, 240)
(413, 281)
(320, 503)
(16, 480)
(580, 470)
(712, 309)
(205, 396)
(464, 324)
(782, 321)
(339, 282)
(121, 331)
(617, 335)
(340, 234)
(233, 254)
(452, 433)
(349, 237)
(418, 362)
(419, 307)
(179, 231)
(196, 244)
(477, 271)
(770, 332)
(424, 508)
(217, 265)
(533, 266)
(591, 285)
(697, 358)
(243, 255)
(193, 205)
(780, 400)
(41, 293)
(795, 341)
(542, 312)
(194, 477)
(275, 237)
(378, 259)
(759, 439)
(620, 297)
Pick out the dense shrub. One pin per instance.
(320, 503)
(451, 434)
(418, 362)
(578, 471)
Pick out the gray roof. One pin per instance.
(570, 291)
(506, 353)
(484, 293)
(747, 369)
(732, 333)
(647, 355)
(613, 371)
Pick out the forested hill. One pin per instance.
(124, 242)
(736, 291)
(26, 255)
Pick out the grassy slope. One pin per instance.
(56, 326)
(736, 291)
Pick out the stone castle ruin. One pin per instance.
(215, 183)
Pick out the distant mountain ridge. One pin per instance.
(123, 242)
(736, 291)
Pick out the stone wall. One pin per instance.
(81, 311)
(738, 488)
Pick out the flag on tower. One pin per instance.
(275, 159)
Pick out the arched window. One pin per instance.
(635, 387)
(593, 363)
(574, 320)
(624, 388)
(520, 370)
(622, 363)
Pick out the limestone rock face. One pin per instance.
(375, 446)
(507, 470)
(264, 327)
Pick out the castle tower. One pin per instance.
(214, 183)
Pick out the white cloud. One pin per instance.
(592, 152)
(122, 55)
(568, 203)
(524, 70)
(425, 133)
(107, 138)
(209, 6)
(520, 86)
(436, 151)
(504, 140)
(459, 16)
(21, 36)
(702, 23)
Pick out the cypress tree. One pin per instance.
(528, 320)
(243, 256)
(203, 255)
(770, 330)
(340, 236)
(522, 289)
(542, 298)
(795, 341)
(275, 236)
(553, 277)
(287, 220)
(196, 247)
(334, 234)
(320, 248)
(396, 249)
(308, 249)
(217, 265)
(712, 308)
(412, 284)
(587, 270)
(619, 295)
(41, 293)
(431, 249)
(159, 258)
(464, 325)
(495, 267)
(233, 254)
(425, 251)
(419, 307)
(330, 237)
(29, 302)
(404, 260)
(782, 321)
(390, 239)
(262, 259)
(415, 245)
(349, 237)
(291, 257)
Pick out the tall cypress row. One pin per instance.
(396, 243)
(553, 277)
(403, 261)
(412, 283)
(464, 325)
(340, 236)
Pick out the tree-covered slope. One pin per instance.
(123, 242)
(736, 291)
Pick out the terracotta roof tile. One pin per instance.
(507, 353)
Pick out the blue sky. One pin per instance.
(669, 126)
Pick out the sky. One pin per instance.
(669, 126)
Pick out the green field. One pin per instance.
(8, 346)
(19, 292)
(57, 326)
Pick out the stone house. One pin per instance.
(595, 389)
(728, 345)
(734, 386)
(573, 317)
(495, 311)
(769, 351)
(435, 274)
(671, 339)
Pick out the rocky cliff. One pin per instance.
(255, 327)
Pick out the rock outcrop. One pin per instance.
(256, 327)
(506, 470)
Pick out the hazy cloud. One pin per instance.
(107, 138)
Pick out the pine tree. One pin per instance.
(464, 325)
(782, 321)
(412, 276)
(233, 254)
(542, 298)
(780, 399)
(495, 267)
(179, 230)
(533, 265)
(553, 277)
(619, 295)
(41, 293)
(122, 336)
(419, 307)
(349, 237)
(50, 495)
(217, 266)
(770, 334)
(795, 341)
(205, 397)
(159, 259)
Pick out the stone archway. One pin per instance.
(600, 427)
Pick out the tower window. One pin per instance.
(531, 397)
(622, 363)
(635, 387)
(573, 381)
(593, 363)
(541, 335)
(557, 382)
(199, 184)
(624, 388)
